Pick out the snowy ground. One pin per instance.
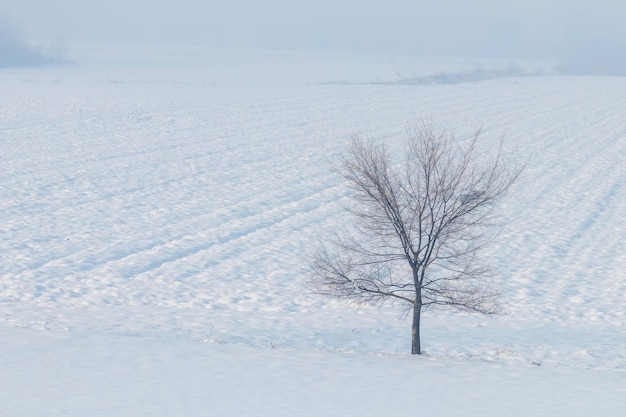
(157, 210)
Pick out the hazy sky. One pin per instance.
(500, 28)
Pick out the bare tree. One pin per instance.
(419, 226)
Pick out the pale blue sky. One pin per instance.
(505, 28)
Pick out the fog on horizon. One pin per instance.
(579, 30)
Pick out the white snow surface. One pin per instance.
(158, 207)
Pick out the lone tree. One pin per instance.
(419, 226)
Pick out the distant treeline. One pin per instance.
(16, 52)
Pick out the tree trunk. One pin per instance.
(416, 348)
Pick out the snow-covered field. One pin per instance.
(158, 206)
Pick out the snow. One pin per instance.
(142, 376)
(157, 207)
